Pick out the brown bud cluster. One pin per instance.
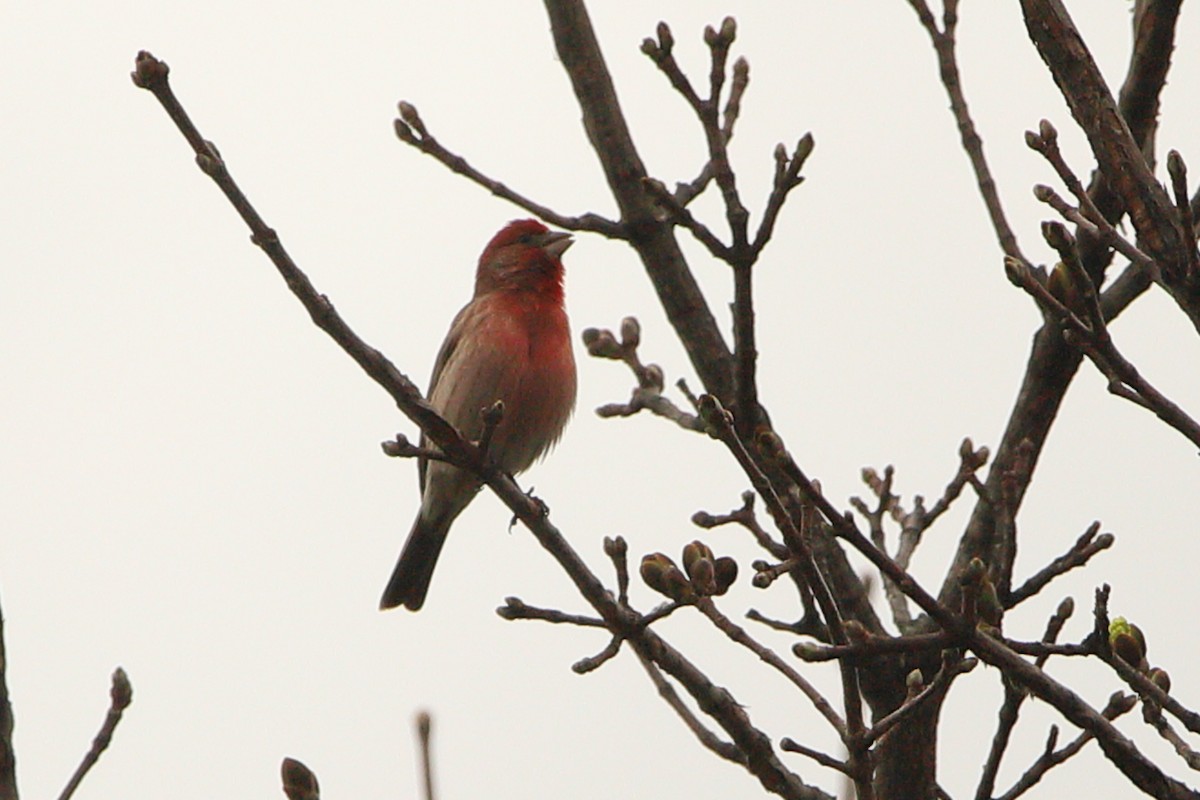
(703, 574)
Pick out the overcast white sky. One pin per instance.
(192, 482)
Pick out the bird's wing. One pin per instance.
(449, 345)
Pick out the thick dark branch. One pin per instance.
(1052, 363)
(1117, 152)
(652, 238)
(8, 759)
(666, 691)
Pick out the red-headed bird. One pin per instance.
(510, 343)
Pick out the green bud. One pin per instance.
(693, 552)
(989, 607)
(1127, 641)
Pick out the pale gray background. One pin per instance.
(192, 483)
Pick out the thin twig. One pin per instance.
(939, 685)
(616, 548)
(1010, 709)
(411, 130)
(825, 760)
(1182, 749)
(514, 609)
(745, 517)
(424, 739)
(1124, 379)
(1086, 546)
(738, 635)
(120, 696)
(602, 343)
(1120, 703)
(1178, 172)
(944, 45)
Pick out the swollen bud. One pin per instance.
(726, 570)
(1159, 677)
(615, 547)
(654, 376)
(728, 29)
(601, 343)
(693, 552)
(408, 112)
(704, 577)
(1127, 641)
(665, 39)
(654, 569)
(1062, 286)
(973, 573)
(741, 69)
(855, 631)
(631, 332)
(660, 574)
(1048, 132)
(990, 609)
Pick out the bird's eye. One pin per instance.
(526, 238)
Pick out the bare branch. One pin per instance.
(601, 343)
(514, 608)
(825, 760)
(738, 635)
(1118, 704)
(944, 45)
(411, 130)
(1086, 546)
(1119, 155)
(745, 517)
(1092, 338)
(950, 670)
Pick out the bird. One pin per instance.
(511, 343)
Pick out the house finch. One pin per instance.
(510, 343)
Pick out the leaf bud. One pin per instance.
(631, 332)
(726, 570)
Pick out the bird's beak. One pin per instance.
(555, 243)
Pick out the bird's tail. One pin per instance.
(410, 579)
